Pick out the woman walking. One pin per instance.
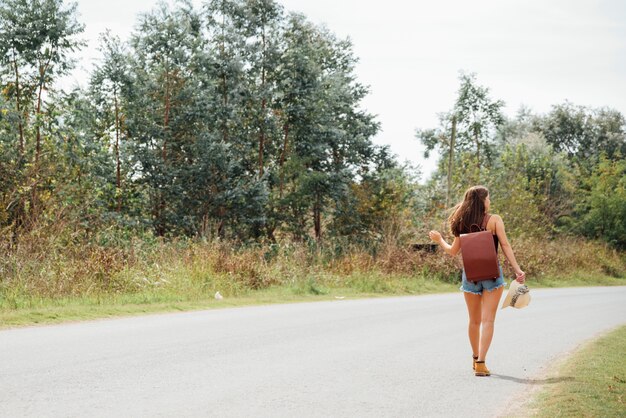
(481, 297)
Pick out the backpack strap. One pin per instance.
(483, 227)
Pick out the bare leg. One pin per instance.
(489, 309)
(474, 303)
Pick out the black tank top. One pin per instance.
(495, 242)
(495, 237)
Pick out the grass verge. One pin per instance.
(39, 311)
(596, 386)
(576, 279)
(30, 310)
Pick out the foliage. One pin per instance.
(233, 137)
(380, 207)
(466, 130)
(60, 263)
(563, 168)
(477, 116)
(603, 210)
(36, 40)
(234, 121)
(584, 134)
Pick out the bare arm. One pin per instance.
(450, 249)
(507, 249)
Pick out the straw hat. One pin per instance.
(517, 297)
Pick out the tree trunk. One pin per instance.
(43, 69)
(477, 152)
(160, 203)
(33, 194)
(225, 102)
(263, 104)
(224, 89)
(166, 117)
(38, 129)
(42, 74)
(221, 230)
(117, 153)
(262, 138)
(451, 161)
(205, 226)
(20, 209)
(317, 218)
(18, 107)
(281, 164)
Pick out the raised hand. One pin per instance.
(435, 236)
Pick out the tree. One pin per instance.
(234, 121)
(261, 27)
(443, 138)
(36, 40)
(468, 127)
(110, 87)
(166, 109)
(477, 118)
(327, 136)
(380, 205)
(38, 36)
(603, 211)
(9, 157)
(583, 133)
(223, 23)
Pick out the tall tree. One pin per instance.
(226, 42)
(37, 38)
(477, 117)
(470, 126)
(442, 138)
(110, 87)
(164, 117)
(602, 213)
(330, 135)
(261, 26)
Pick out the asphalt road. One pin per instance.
(403, 356)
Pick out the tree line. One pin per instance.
(238, 120)
(233, 120)
(562, 172)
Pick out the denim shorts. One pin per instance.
(478, 287)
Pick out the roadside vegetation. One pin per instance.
(595, 384)
(226, 149)
(55, 281)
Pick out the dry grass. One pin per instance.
(58, 265)
(566, 256)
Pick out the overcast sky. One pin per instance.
(528, 52)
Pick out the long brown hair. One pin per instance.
(470, 211)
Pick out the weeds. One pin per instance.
(57, 267)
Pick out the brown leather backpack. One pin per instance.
(480, 260)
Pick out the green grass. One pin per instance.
(591, 383)
(24, 310)
(576, 279)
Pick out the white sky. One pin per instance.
(532, 52)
